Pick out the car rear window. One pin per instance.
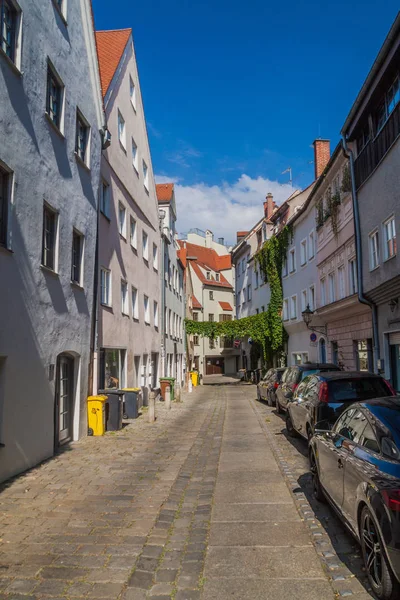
(357, 389)
(305, 374)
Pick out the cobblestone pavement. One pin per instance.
(192, 507)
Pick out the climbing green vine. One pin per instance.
(265, 328)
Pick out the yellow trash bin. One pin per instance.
(195, 377)
(96, 415)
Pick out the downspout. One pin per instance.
(163, 332)
(375, 330)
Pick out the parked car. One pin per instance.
(268, 385)
(356, 467)
(293, 376)
(324, 396)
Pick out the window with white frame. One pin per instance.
(135, 304)
(311, 246)
(374, 250)
(170, 322)
(323, 291)
(122, 220)
(105, 286)
(145, 246)
(82, 138)
(54, 97)
(390, 100)
(208, 275)
(243, 265)
(303, 300)
(49, 238)
(155, 306)
(332, 287)
(303, 252)
(244, 295)
(296, 358)
(145, 175)
(292, 260)
(133, 233)
(77, 257)
(121, 130)
(256, 276)
(249, 292)
(105, 199)
(341, 282)
(311, 297)
(5, 196)
(389, 233)
(293, 307)
(353, 285)
(135, 155)
(146, 304)
(132, 92)
(211, 295)
(155, 257)
(284, 267)
(217, 277)
(124, 298)
(10, 30)
(285, 309)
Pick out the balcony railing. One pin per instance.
(370, 157)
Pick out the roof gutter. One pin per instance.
(375, 331)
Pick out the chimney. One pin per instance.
(240, 235)
(269, 205)
(221, 241)
(322, 154)
(209, 238)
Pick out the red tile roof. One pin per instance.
(195, 303)
(242, 233)
(164, 192)
(225, 306)
(212, 282)
(110, 48)
(208, 256)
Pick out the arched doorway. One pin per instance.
(64, 399)
(322, 350)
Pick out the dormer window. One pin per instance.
(208, 275)
(217, 277)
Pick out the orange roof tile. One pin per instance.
(225, 306)
(212, 282)
(110, 48)
(208, 256)
(195, 303)
(164, 192)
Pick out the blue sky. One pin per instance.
(234, 92)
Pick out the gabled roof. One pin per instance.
(225, 306)
(110, 48)
(196, 266)
(164, 192)
(207, 256)
(196, 303)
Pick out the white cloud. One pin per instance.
(225, 208)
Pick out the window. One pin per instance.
(211, 295)
(353, 277)
(122, 220)
(49, 244)
(303, 300)
(296, 358)
(133, 233)
(311, 246)
(389, 102)
(135, 304)
(373, 250)
(285, 309)
(362, 139)
(244, 295)
(121, 130)
(285, 268)
(145, 246)
(390, 247)
(256, 276)
(170, 322)
(105, 199)
(341, 278)
(135, 155)
(196, 340)
(124, 298)
(263, 309)
(155, 257)
(82, 138)
(217, 277)
(332, 288)
(208, 275)
(225, 317)
(145, 176)
(77, 255)
(5, 185)
(211, 317)
(195, 316)
(257, 311)
(132, 92)
(335, 353)
(303, 252)
(9, 29)
(363, 352)
(146, 309)
(54, 97)
(292, 260)
(105, 287)
(212, 343)
(293, 307)
(323, 292)
(249, 293)
(155, 307)
(311, 298)
(112, 369)
(243, 265)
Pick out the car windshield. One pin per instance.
(305, 374)
(357, 389)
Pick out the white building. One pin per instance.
(172, 289)
(128, 333)
(50, 118)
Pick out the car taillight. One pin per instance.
(295, 386)
(276, 385)
(392, 499)
(323, 392)
(391, 388)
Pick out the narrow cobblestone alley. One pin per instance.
(193, 507)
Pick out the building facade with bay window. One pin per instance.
(51, 129)
(128, 325)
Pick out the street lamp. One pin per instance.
(307, 315)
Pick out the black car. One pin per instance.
(293, 376)
(356, 466)
(324, 396)
(268, 385)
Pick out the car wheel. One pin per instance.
(317, 489)
(279, 409)
(289, 426)
(381, 578)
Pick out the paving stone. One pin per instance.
(161, 589)
(79, 589)
(105, 590)
(166, 575)
(23, 586)
(141, 579)
(65, 573)
(51, 587)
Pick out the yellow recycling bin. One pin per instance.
(195, 377)
(96, 414)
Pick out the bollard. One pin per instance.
(168, 397)
(190, 385)
(177, 392)
(152, 407)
